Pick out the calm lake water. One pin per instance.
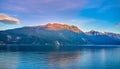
(65, 57)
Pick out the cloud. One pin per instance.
(53, 6)
(109, 5)
(8, 20)
(40, 6)
(117, 24)
(90, 24)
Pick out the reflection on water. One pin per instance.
(103, 55)
(8, 60)
(61, 58)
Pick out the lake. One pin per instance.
(63, 57)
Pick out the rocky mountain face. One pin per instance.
(62, 33)
(103, 37)
(56, 26)
(92, 32)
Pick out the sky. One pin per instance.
(99, 15)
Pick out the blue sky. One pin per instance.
(100, 15)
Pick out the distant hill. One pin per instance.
(62, 33)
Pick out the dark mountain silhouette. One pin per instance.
(62, 33)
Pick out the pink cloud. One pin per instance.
(8, 20)
(48, 5)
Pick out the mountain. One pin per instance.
(103, 37)
(62, 33)
(57, 26)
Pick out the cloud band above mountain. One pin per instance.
(5, 19)
(117, 25)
